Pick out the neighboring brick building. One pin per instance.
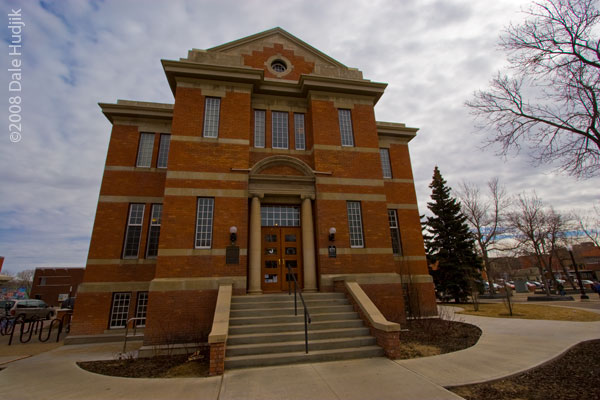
(53, 285)
(272, 137)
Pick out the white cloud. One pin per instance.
(432, 53)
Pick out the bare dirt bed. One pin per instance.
(429, 337)
(424, 337)
(176, 366)
(573, 376)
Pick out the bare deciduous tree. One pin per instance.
(549, 101)
(528, 221)
(588, 223)
(484, 215)
(25, 278)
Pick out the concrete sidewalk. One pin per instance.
(505, 348)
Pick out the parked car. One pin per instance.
(32, 308)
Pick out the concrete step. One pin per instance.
(266, 312)
(250, 338)
(316, 303)
(295, 326)
(299, 346)
(284, 296)
(283, 319)
(301, 357)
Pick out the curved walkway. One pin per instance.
(506, 347)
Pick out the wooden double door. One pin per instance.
(281, 248)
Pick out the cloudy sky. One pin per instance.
(433, 55)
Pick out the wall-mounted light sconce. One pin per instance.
(233, 234)
(332, 232)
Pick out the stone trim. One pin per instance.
(195, 192)
(143, 124)
(196, 252)
(220, 325)
(397, 206)
(341, 101)
(370, 310)
(410, 258)
(199, 283)
(345, 148)
(323, 251)
(280, 151)
(375, 278)
(349, 181)
(129, 199)
(202, 139)
(207, 176)
(400, 180)
(110, 287)
(133, 169)
(385, 332)
(351, 196)
(103, 261)
(213, 88)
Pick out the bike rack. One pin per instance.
(27, 329)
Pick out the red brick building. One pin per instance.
(273, 140)
(53, 285)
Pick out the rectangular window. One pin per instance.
(355, 224)
(119, 311)
(279, 215)
(395, 232)
(134, 230)
(204, 222)
(154, 230)
(280, 129)
(163, 151)
(386, 166)
(259, 128)
(144, 158)
(140, 309)
(211, 117)
(345, 118)
(299, 132)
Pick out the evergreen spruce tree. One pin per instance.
(449, 243)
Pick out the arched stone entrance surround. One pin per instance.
(281, 179)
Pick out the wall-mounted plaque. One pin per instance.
(232, 255)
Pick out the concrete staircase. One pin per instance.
(264, 331)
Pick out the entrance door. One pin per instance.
(281, 247)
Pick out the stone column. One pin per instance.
(308, 247)
(254, 273)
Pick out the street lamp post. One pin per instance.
(583, 295)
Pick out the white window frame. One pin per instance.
(212, 107)
(299, 131)
(386, 164)
(141, 308)
(163, 150)
(145, 150)
(346, 131)
(355, 225)
(281, 127)
(135, 218)
(155, 223)
(395, 231)
(260, 118)
(204, 222)
(119, 310)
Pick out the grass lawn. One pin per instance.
(529, 311)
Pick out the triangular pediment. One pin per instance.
(258, 51)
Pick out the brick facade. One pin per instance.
(54, 284)
(231, 169)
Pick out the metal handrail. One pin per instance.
(127, 330)
(307, 319)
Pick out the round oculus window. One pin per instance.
(278, 66)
